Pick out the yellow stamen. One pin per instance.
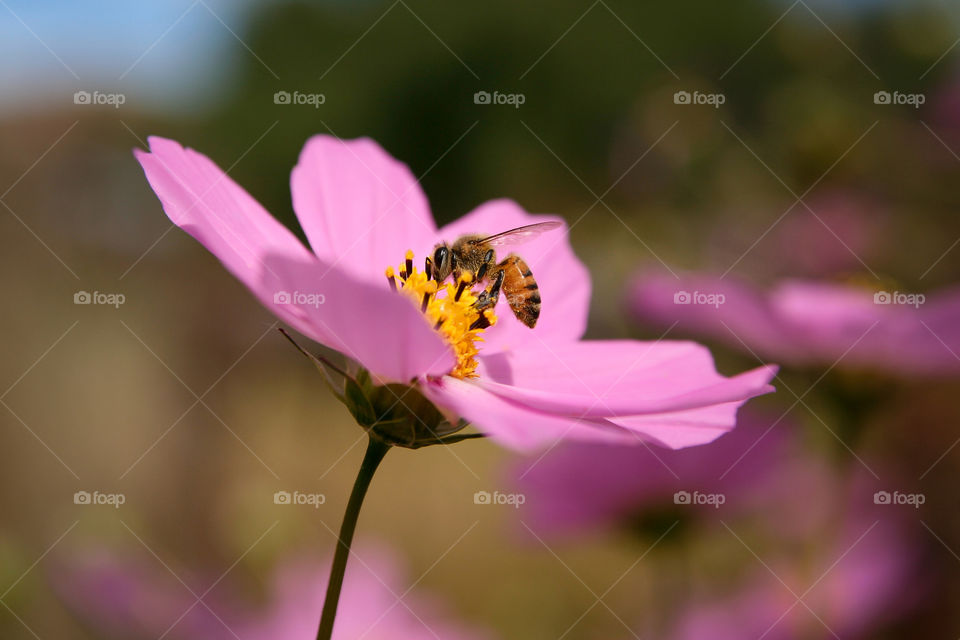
(391, 278)
(451, 310)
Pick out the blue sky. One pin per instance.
(162, 54)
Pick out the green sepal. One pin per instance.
(404, 417)
(358, 404)
(396, 414)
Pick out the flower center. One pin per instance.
(451, 308)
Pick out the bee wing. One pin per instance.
(520, 234)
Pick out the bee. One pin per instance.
(476, 254)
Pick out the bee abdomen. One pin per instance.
(522, 290)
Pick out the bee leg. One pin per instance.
(487, 259)
(495, 287)
(490, 297)
(487, 300)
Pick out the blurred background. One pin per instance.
(762, 141)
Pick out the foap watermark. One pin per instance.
(513, 99)
(699, 297)
(299, 98)
(99, 297)
(99, 98)
(712, 499)
(112, 499)
(896, 297)
(911, 99)
(301, 298)
(310, 499)
(912, 499)
(512, 499)
(697, 97)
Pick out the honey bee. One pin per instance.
(476, 254)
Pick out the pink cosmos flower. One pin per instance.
(121, 598)
(363, 212)
(862, 575)
(580, 487)
(807, 323)
(371, 606)
(945, 105)
(847, 227)
(816, 527)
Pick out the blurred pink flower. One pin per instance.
(844, 228)
(362, 211)
(370, 604)
(121, 598)
(840, 228)
(811, 323)
(862, 576)
(945, 117)
(579, 487)
(817, 528)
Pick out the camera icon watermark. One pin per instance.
(299, 498)
(697, 498)
(712, 99)
(97, 498)
(97, 297)
(298, 98)
(513, 99)
(114, 100)
(897, 98)
(299, 298)
(897, 498)
(699, 298)
(896, 297)
(513, 499)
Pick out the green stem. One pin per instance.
(376, 449)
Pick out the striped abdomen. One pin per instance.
(521, 290)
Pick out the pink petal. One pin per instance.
(829, 319)
(618, 378)
(201, 199)
(382, 330)
(665, 392)
(583, 486)
(513, 425)
(864, 589)
(807, 322)
(744, 315)
(751, 612)
(360, 208)
(839, 321)
(379, 328)
(688, 428)
(563, 279)
(370, 605)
